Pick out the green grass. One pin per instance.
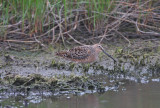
(41, 16)
(36, 11)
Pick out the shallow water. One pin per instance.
(130, 95)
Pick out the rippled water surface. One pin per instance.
(130, 95)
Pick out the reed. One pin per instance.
(98, 16)
(35, 11)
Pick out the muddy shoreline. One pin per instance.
(26, 71)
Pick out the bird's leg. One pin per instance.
(72, 68)
(85, 68)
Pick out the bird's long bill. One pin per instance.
(108, 54)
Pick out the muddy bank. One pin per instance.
(26, 71)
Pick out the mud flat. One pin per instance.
(41, 73)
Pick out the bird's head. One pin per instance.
(99, 48)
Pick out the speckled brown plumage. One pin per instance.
(82, 54)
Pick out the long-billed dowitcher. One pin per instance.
(83, 54)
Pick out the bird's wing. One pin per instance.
(81, 52)
(77, 53)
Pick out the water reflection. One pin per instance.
(135, 96)
(131, 95)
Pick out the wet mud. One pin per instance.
(41, 73)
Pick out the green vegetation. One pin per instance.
(31, 31)
(74, 84)
(41, 21)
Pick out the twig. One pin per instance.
(153, 33)
(38, 41)
(75, 39)
(20, 41)
(8, 26)
(116, 23)
(129, 43)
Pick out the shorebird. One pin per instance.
(83, 54)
